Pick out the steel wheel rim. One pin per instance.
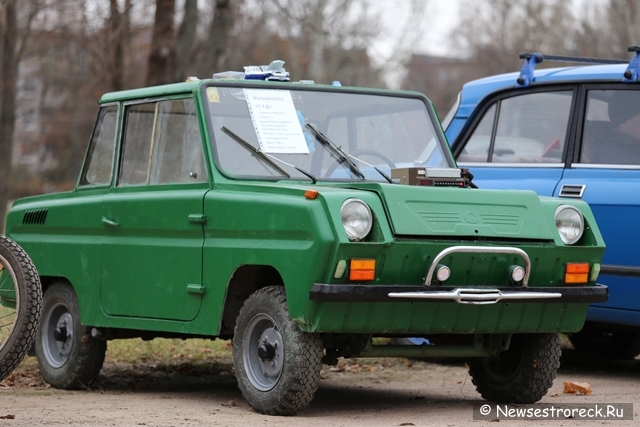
(57, 335)
(263, 352)
(8, 294)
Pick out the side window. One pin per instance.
(177, 156)
(99, 161)
(610, 134)
(137, 143)
(477, 147)
(162, 144)
(531, 128)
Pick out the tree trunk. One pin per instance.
(126, 45)
(162, 57)
(186, 39)
(219, 34)
(8, 69)
(116, 50)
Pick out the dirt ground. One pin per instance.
(384, 392)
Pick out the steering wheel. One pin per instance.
(363, 152)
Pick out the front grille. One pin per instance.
(35, 216)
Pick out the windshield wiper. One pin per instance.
(387, 177)
(337, 151)
(267, 157)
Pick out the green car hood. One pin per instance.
(434, 211)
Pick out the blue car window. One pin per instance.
(477, 148)
(530, 128)
(611, 134)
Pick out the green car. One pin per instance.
(306, 223)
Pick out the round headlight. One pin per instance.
(570, 223)
(356, 219)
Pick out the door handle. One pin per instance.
(110, 223)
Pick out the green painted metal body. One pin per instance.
(162, 257)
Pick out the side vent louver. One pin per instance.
(572, 190)
(35, 216)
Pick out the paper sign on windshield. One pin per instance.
(275, 120)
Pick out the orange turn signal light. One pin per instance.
(311, 194)
(576, 272)
(362, 269)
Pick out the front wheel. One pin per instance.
(523, 373)
(277, 365)
(20, 305)
(68, 356)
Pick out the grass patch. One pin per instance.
(167, 351)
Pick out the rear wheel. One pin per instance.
(523, 373)
(599, 343)
(68, 356)
(277, 365)
(20, 305)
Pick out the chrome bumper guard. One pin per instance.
(361, 293)
(476, 295)
(481, 250)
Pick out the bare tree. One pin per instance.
(186, 39)
(494, 33)
(162, 56)
(116, 36)
(221, 25)
(8, 69)
(623, 19)
(326, 39)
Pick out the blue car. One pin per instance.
(567, 132)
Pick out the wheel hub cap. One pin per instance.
(263, 353)
(267, 352)
(57, 335)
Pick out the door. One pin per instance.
(518, 141)
(606, 174)
(153, 218)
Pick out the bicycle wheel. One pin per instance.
(20, 305)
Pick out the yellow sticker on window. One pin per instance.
(212, 94)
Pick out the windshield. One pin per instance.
(328, 135)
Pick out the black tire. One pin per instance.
(276, 364)
(596, 343)
(20, 305)
(523, 373)
(68, 356)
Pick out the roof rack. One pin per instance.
(632, 73)
(531, 60)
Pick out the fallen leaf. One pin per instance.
(577, 388)
(353, 368)
(406, 424)
(8, 417)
